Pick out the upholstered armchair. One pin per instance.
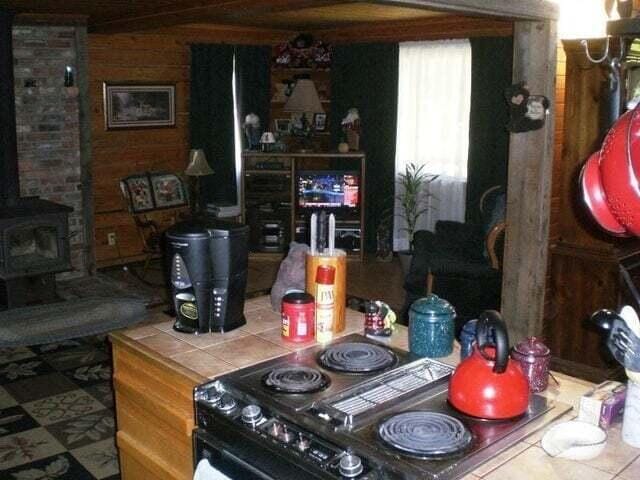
(461, 262)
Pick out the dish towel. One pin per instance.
(204, 471)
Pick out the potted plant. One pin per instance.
(412, 204)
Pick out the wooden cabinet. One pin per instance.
(269, 199)
(583, 273)
(154, 410)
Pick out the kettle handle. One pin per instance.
(490, 324)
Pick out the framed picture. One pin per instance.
(137, 188)
(320, 122)
(139, 106)
(168, 190)
(283, 125)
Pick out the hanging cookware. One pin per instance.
(610, 178)
(486, 384)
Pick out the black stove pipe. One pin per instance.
(9, 175)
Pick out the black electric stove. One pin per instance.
(353, 409)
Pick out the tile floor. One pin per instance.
(56, 412)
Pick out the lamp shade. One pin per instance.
(304, 98)
(198, 165)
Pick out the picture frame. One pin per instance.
(168, 190)
(137, 189)
(283, 125)
(320, 122)
(133, 105)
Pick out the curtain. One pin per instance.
(211, 120)
(434, 95)
(365, 76)
(253, 82)
(488, 135)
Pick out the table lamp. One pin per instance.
(197, 167)
(304, 100)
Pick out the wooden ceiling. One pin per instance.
(113, 16)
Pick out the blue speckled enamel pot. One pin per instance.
(431, 327)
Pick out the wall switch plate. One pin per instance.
(111, 238)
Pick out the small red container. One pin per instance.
(298, 317)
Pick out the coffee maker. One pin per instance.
(207, 262)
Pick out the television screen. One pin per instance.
(328, 189)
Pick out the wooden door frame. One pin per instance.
(530, 156)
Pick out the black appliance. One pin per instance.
(353, 409)
(208, 261)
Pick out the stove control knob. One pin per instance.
(227, 403)
(213, 397)
(350, 466)
(286, 435)
(251, 414)
(303, 443)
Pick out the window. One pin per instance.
(434, 101)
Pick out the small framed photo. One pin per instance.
(168, 190)
(139, 106)
(283, 125)
(320, 122)
(137, 189)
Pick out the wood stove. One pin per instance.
(34, 233)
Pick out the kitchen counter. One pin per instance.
(156, 368)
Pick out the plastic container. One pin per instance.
(298, 317)
(431, 327)
(534, 357)
(631, 418)
(574, 440)
(325, 293)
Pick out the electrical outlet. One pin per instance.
(111, 239)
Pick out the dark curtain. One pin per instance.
(253, 82)
(211, 119)
(365, 76)
(488, 137)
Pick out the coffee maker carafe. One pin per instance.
(207, 267)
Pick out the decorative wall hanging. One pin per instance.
(303, 52)
(139, 106)
(526, 112)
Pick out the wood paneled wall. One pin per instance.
(158, 57)
(117, 154)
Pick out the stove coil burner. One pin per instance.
(425, 434)
(357, 357)
(295, 380)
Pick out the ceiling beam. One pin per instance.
(433, 28)
(513, 9)
(220, 11)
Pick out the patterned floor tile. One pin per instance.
(103, 392)
(87, 375)
(62, 407)
(58, 467)
(35, 388)
(26, 447)
(31, 367)
(15, 419)
(6, 400)
(100, 458)
(86, 429)
(8, 355)
(56, 347)
(75, 357)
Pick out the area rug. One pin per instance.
(68, 319)
(56, 412)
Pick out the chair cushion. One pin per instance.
(461, 268)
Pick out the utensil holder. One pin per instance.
(339, 261)
(631, 418)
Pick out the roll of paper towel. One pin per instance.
(204, 471)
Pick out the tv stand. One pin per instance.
(268, 200)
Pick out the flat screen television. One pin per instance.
(328, 189)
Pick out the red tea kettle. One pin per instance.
(486, 384)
